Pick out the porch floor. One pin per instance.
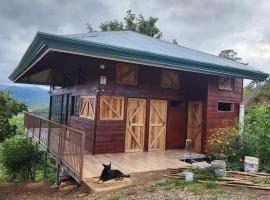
(137, 162)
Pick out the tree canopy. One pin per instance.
(131, 23)
(8, 108)
(230, 54)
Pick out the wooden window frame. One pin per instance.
(163, 73)
(118, 68)
(232, 107)
(91, 117)
(121, 117)
(226, 89)
(75, 112)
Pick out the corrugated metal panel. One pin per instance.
(137, 41)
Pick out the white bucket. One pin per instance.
(188, 175)
(251, 164)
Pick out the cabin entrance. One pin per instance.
(136, 125)
(194, 132)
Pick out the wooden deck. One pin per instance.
(138, 162)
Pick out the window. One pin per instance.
(111, 108)
(170, 79)
(226, 83)
(177, 104)
(75, 106)
(88, 107)
(225, 107)
(126, 73)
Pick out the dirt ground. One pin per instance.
(43, 191)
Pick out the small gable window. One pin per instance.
(170, 79)
(126, 73)
(225, 83)
(225, 107)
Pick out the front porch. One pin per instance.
(66, 144)
(139, 162)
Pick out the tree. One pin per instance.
(230, 54)
(19, 158)
(8, 108)
(131, 23)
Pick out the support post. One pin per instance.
(45, 165)
(241, 117)
(57, 181)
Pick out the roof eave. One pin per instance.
(44, 41)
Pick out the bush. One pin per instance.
(19, 158)
(257, 134)
(229, 144)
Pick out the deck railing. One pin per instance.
(65, 143)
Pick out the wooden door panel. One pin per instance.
(135, 125)
(195, 125)
(157, 125)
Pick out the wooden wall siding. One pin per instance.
(110, 137)
(215, 118)
(176, 127)
(110, 134)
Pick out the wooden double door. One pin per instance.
(145, 126)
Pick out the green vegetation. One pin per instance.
(8, 109)
(39, 108)
(19, 158)
(232, 144)
(263, 94)
(131, 23)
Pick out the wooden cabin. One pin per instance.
(127, 92)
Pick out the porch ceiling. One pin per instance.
(126, 48)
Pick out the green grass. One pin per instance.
(116, 197)
(194, 187)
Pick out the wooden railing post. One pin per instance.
(40, 124)
(49, 135)
(71, 141)
(82, 154)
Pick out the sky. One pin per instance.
(208, 25)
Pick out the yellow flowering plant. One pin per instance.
(225, 143)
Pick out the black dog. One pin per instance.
(108, 174)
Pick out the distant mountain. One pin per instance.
(27, 94)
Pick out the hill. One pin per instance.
(27, 94)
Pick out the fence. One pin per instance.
(65, 143)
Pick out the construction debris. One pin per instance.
(259, 180)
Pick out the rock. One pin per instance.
(83, 194)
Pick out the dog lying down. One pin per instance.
(108, 174)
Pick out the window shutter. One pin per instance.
(226, 83)
(111, 108)
(87, 107)
(170, 79)
(126, 73)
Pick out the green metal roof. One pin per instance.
(134, 47)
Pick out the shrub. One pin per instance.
(229, 144)
(19, 157)
(226, 144)
(257, 133)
